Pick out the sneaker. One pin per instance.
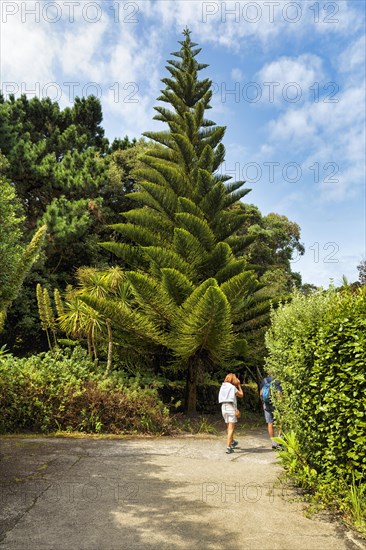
(229, 450)
(277, 447)
(234, 444)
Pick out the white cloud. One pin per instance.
(80, 50)
(237, 75)
(290, 78)
(328, 140)
(353, 58)
(30, 51)
(314, 119)
(341, 17)
(294, 124)
(234, 25)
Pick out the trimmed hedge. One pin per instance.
(317, 349)
(62, 392)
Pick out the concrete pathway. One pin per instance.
(153, 493)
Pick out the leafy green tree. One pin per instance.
(277, 243)
(362, 272)
(66, 176)
(193, 297)
(81, 322)
(102, 284)
(51, 151)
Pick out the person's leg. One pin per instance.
(230, 433)
(270, 430)
(269, 419)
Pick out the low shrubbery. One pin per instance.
(317, 349)
(62, 392)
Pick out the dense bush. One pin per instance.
(317, 349)
(62, 391)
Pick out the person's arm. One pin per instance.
(239, 392)
(261, 386)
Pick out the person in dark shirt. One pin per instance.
(268, 408)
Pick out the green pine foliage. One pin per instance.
(186, 280)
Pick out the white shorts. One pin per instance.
(228, 412)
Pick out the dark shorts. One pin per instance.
(268, 414)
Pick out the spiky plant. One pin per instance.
(16, 266)
(42, 310)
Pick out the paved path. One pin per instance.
(152, 493)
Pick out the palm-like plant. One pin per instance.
(82, 321)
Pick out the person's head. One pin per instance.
(232, 379)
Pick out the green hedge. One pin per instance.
(317, 349)
(62, 392)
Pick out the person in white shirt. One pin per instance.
(229, 391)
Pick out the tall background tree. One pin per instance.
(362, 272)
(194, 296)
(277, 243)
(69, 177)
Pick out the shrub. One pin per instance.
(317, 349)
(62, 391)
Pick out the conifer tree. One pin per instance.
(190, 283)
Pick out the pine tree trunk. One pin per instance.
(191, 388)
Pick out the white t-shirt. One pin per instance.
(227, 394)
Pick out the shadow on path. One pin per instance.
(152, 493)
(103, 494)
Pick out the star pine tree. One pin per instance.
(190, 284)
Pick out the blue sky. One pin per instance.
(288, 81)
